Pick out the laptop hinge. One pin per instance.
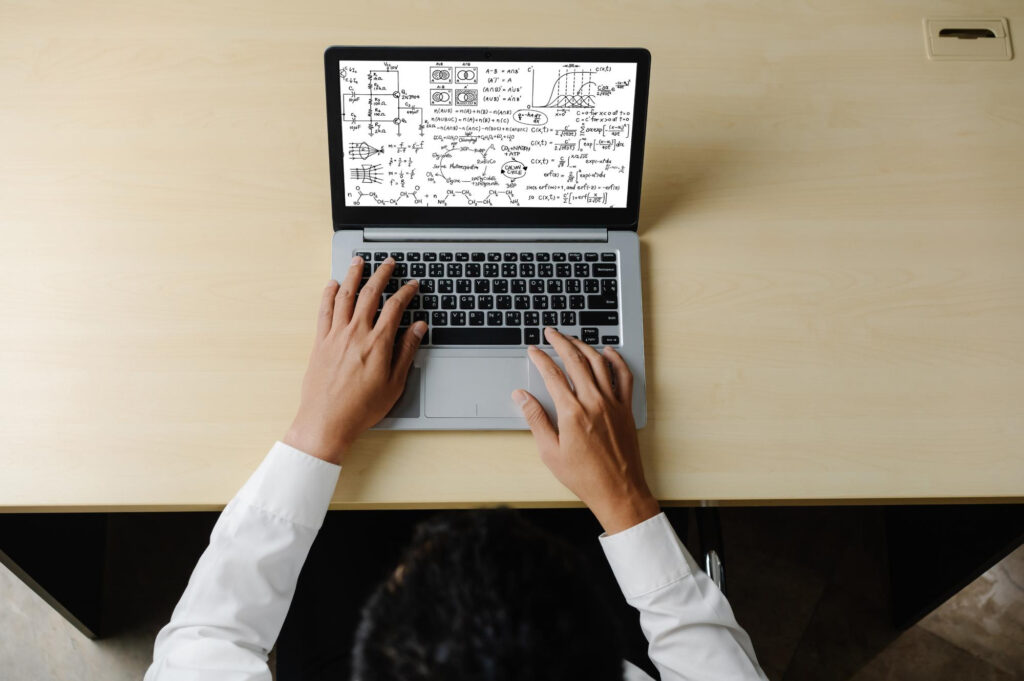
(485, 234)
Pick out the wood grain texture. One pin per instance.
(832, 236)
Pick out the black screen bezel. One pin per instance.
(356, 216)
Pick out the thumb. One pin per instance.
(537, 419)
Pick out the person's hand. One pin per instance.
(356, 372)
(594, 452)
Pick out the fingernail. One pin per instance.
(356, 260)
(419, 329)
(414, 282)
(519, 397)
(389, 260)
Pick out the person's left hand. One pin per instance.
(356, 372)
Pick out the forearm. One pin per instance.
(239, 593)
(689, 625)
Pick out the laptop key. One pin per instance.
(603, 301)
(522, 302)
(531, 318)
(526, 257)
(518, 286)
(462, 257)
(575, 285)
(503, 302)
(608, 256)
(591, 286)
(463, 286)
(575, 257)
(540, 302)
(476, 318)
(558, 257)
(412, 256)
(513, 318)
(563, 270)
(429, 257)
(610, 318)
(609, 286)
(445, 256)
(590, 257)
(473, 269)
(427, 286)
(543, 257)
(436, 269)
(532, 336)
(380, 255)
(448, 303)
(558, 302)
(467, 302)
(457, 318)
(478, 257)
(609, 340)
(501, 285)
(399, 256)
(568, 318)
(588, 335)
(439, 318)
(490, 269)
(577, 302)
(482, 286)
(536, 286)
(550, 318)
(417, 270)
(485, 302)
(494, 257)
(430, 302)
(501, 335)
(445, 285)
(604, 269)
(494, 318)
(420, 316)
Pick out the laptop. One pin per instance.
(507, 181)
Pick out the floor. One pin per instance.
(806, 583)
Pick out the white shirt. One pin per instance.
(236, 600)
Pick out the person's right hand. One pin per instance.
(594, 452)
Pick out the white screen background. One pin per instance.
(486, 134)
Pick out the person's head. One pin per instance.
(486, 596)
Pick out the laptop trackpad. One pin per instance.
(474, 386)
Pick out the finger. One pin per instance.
(407, 348)
(576, 365)
(347, 290)
(554, 379)
(369, 297)
(540, 425)
(391, 313)
(598, 366)
(323, 317)
(623, 376)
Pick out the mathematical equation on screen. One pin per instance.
(486, 134)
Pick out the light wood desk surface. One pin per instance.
(833, 233)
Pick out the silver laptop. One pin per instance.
(507, 181)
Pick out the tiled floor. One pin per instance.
(810, 598)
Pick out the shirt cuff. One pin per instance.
(292, 485)
(647, 556)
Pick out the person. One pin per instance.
(483, 597)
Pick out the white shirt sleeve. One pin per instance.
(690, 629)
(236, 600)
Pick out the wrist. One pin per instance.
(624, 512)
(316, 443)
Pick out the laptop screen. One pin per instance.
(486, 134)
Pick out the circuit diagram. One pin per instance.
(501, 134)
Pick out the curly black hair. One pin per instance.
(486, 596)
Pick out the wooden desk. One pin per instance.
(832, 228)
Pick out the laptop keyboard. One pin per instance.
(506, 297)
